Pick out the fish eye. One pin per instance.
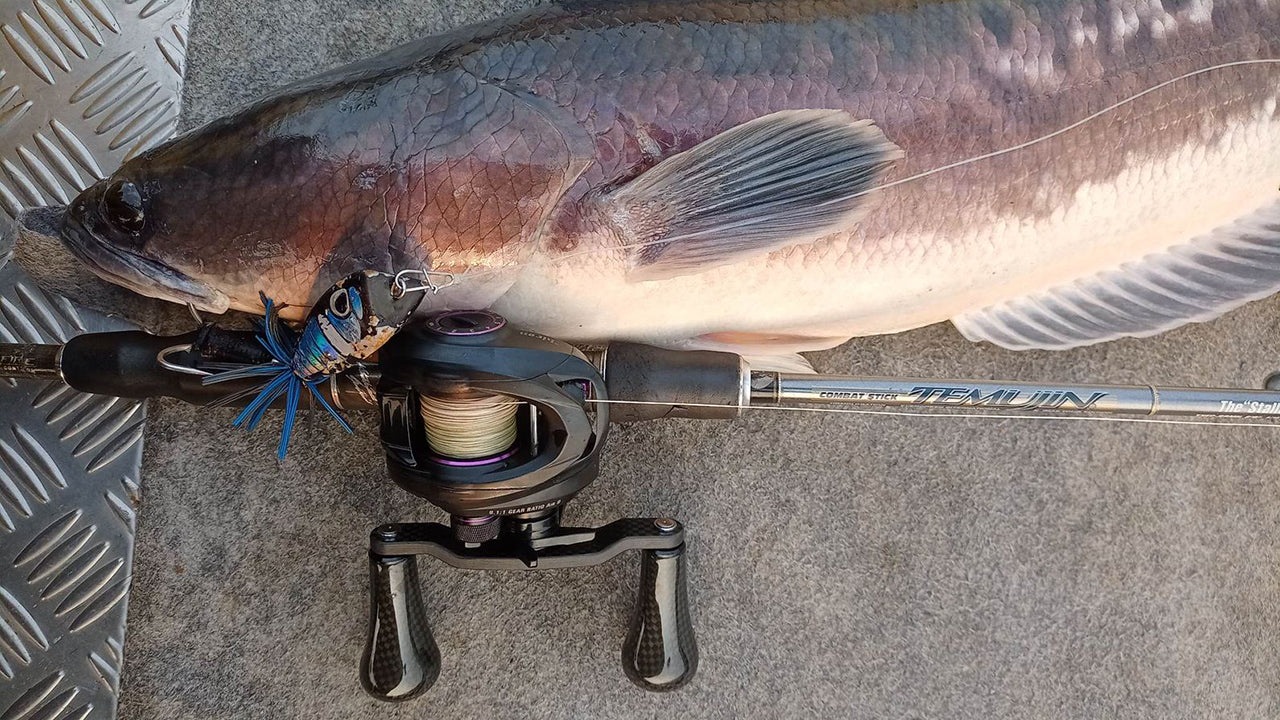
(122, 205)
(340, 304)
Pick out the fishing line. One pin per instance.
(1083, 121)
(929, 173)
(469, 427)
(451, 278)
(935, 413)
(955, 415)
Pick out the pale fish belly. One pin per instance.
(899, 280)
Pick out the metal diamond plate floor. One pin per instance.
(69, 466)
(84, 84)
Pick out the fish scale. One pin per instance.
(508, 154)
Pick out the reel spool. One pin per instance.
(471, 427)
(497, 426)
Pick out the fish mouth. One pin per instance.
(136, 272)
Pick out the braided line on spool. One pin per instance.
(469, 427)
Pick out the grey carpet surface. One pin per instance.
(842, 566)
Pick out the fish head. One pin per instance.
(422, 171)
(210, 218)
(115, 228)
(361, 312)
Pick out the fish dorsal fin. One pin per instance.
(1192, 282)
(783, 179)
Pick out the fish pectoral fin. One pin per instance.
(787, 178)
(1192, 282)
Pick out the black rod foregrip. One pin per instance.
(125, 364)
(648, 383)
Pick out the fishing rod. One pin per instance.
(655, 382)
(501, 427)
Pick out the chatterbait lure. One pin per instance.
(349, 322)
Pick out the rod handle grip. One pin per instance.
(698, 384)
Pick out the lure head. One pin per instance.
(360, 313)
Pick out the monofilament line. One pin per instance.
(463, 275)
(957, 415)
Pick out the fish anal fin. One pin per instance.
(773, 351)
(793, 363)
(768, 343)
(784, 179)
(1193, 282)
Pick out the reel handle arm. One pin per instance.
(401, 659)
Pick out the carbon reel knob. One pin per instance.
(401, 659)
(660, 652)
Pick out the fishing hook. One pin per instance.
(162, 359)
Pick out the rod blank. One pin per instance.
(773, 388)
(124, 364)
(30, 361)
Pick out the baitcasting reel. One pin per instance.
(500, 428)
